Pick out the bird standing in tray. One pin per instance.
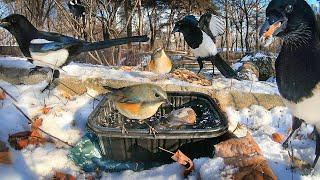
(47, 49)
(160, 63)
(201, 36)
(139, 101)
(298, 64)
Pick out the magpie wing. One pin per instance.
(41, 45)
(212, 25)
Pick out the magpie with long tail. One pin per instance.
(201, 36)
(298, 63)
(48, 49)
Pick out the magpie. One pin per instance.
(76, 8)
(298, 63)
(48, 49)
(200, 36)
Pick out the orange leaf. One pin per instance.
(46, 109)
(2, 95)
(277, 137)
(183, 160)
(36, 124)
(5, 154)
(63, 176)
(22, 143)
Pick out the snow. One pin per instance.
(68, 117)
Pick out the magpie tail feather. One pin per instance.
(112, 42)
(224, 68)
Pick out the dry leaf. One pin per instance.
(19, 140)
(63, 176)
(183, 160)
(22, 139)
(5, 154)
(245, 154)
(277, 137)
(191, 77)
(46, 109)
(2, 95)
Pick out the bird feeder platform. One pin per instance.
(138, 145)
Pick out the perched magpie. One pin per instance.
(76, 8)
(200, 36)
(298, 64)
(47, 49)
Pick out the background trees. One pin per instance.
(118, 18)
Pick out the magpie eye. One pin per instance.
(289, 8)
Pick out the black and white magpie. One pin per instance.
(298, 64)
(76, 8)
(48, 49)
(200, 36)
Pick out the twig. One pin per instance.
(166, 150)
(8, 94)
(78, 93)
(31, 121)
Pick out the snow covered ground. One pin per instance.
(68, 117)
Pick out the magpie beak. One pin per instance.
(175, 29)
(273, 26)
(4, 23)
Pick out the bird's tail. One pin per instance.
(224, 68)
(112, 42)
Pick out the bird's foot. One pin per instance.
(285, 145)
(33, 70)
(124, 130)
(48, 87)
(152, 130)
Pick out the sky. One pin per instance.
(313, 2)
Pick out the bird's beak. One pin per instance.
(272, 27)
(4, 23)
(176, 29)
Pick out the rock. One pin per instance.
(261, 66)
(249, 71)
(180, 117)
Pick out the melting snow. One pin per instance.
(67, 121)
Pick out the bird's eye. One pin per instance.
(289, 8)
(157, 95)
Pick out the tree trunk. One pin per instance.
(128, 10)
(257, 25)
(227, 28)
(140, 32)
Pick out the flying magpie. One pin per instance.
(48, 49)
(298, 63)
(200, 36)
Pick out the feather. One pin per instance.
(224, 68)
(212, 25)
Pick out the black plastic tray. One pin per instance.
(139, 145)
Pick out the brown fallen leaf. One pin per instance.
(277, 137)
(5, 154)
(63, 176)
(22, 139)
(185, 161)
(46, 109)
(2, 95)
